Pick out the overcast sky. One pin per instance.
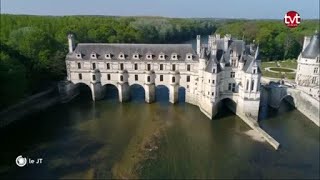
(252, 9)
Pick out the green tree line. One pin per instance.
(277, 42)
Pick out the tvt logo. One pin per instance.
(292, 19)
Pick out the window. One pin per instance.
(121, 78)
(234, 87)
(149, 67)
(252, 85)
(316, 70)
(135, 66)
(93, 65)
(209, 80)
(188, 78)
(80, 76)
(247, 87)
(79, 65)
(162, 56)
(161, 77)
(318, 59)
(161, 67)
(173, 67)
(108, 66)
(93, 56)
(136, 56)
(188, 67)
(213, 81)
(212, 93)
(173, 79)
(229, 86)
(93, 77)
(136, 77)
(189, 57)
(108, 56)
(149, 56)
(121, 66)
(254, 71)
(121, 56)
(214, 70)
(233, 63)
(174, 56)
(148, 78)
(108, 76)
(314, 79)
(232, 74)
(78, 56)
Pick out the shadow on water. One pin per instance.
(137, 93)
(111, 92)
(162, 95)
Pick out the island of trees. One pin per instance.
(33, 48)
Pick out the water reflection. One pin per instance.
(105, 139)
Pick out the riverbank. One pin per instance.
(30, 105)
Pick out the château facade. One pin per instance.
(307, 76)
(222, 68)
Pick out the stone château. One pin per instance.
(222, 68)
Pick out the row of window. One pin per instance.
(173, 67)
(136, 56)
(135, 78)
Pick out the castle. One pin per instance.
(307, 76)
(224, 68)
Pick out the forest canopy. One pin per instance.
(33, 48)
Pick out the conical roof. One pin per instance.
(312, 49)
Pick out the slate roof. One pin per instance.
(101, 49)
(248, 54)
(312, 49)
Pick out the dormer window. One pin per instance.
(93, 56)
(189, 57)
(136, 56)
(254, 71)
(108, 56)
(121, 56)
(79, 56)
(162, 56)
(149, 56)
(174, 56)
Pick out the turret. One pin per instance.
(198, 45)
(71, 42)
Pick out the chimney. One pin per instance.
(198, 45)
(71, 42)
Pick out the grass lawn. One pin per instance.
(286, 64)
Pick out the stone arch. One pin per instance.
(289, 99)
(229, 103)
(181, 94)
(137, 92)
(162, 93)
(83, 89)
(111, 91)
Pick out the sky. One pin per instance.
(249, 9)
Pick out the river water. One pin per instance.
(108, 139)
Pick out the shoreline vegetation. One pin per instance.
(33, 48)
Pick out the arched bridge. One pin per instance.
(275, 93)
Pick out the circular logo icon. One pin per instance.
(292, 19)
(21, 161)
